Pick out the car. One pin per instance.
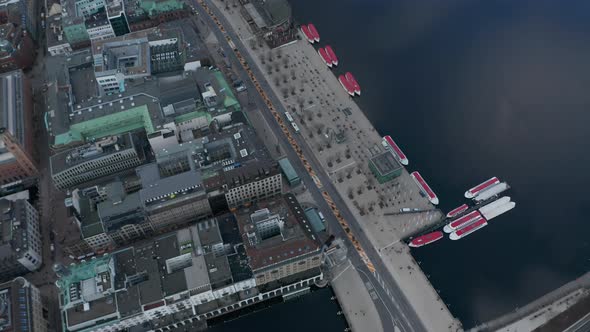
(52, 247)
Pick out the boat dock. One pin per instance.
(444, 220)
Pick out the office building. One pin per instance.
(135, 55)
(252, 182)
(16, 166)
(172, 199)
(104, 157)
(20, 239)
(21, 307)
(280, 245)
(153, 283)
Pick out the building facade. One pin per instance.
(15, 165)
(94, 160)
(22, 307)
(20, 242)
(251, 183)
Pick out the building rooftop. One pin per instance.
(157, 189)
(15, 306)
(136, 278)
(91, 151)
(117, 204)
(268, 13)
(12, 104)
(296, 238)
(14, 240)
(128, 54)
(385, 163)
(239, 264)
(249, 172)
(97, 19)
(314, 220)
(288, 169)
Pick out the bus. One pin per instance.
(289, 117)
(295, 126)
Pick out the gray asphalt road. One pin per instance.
(393, 308)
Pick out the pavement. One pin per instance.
(546, 313)
(392, 304)
(356, 299)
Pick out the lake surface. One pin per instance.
(471, 90)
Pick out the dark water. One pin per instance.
(312, 312)
(474, 89)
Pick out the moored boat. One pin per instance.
(426, 239)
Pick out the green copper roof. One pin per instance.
(112, 124)
(230, 100)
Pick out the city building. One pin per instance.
(57, 43)
(16, 108)
(289, 172)
(109, 216)
(91, 161)
(21, 12)
(188, 276)
(16, 165)
(135, 55)
(280, 245)
(98, 26)
(385, 167)
(148, 283)
(118, 17)
(251, 182)
(16, 48)
(145, 14)
(21, 307)
(271, 20)
(172, 198)
(20, 239)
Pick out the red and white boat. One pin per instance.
(463, 232)
(314, 32)
(457, 211)
(424, 187)
(426, 239)
(346, 85)
(481, 187)
(351, 79)
(307, 33)
(327, 59)
(332, 55)
(396, 150)
(462, 222)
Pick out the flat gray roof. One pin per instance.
(12, 101)
(157, 189)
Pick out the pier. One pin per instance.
(444, 220)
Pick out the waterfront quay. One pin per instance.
(337, 140)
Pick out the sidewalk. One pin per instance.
(356, 302)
